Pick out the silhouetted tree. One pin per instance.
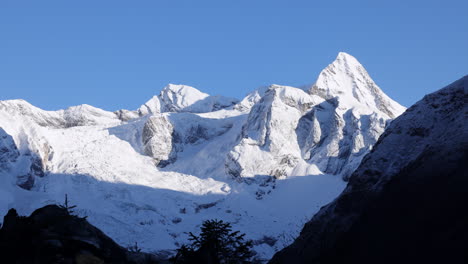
(135, 248)
(216, 244)
(67, 206)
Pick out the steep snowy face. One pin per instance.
(268, 143)
(417, 168)
(347, 80)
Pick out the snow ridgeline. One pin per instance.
(266, 163)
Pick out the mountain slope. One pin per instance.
(405, 202)
(185, 156)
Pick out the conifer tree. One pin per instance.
(67, 206)
(216, 244)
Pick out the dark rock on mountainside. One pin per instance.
(406, 202)
(52, 235)
(8, 150)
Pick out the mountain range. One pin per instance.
(266, 163)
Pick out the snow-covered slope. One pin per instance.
(152, 174)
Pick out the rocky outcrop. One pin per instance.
(405, 202)
(158, 136)
(52, 235)
(8, 150)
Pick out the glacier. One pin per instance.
(266, 163)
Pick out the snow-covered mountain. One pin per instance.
(406, 200)
(265, 163)
(179, 98)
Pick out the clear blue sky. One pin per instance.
(117, 54)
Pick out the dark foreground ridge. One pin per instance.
(52, 235)
(407, 201)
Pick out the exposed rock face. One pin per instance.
(405, 202)
(52, 235)
(8, 150)
(158, 139)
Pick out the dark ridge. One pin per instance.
(52, 235)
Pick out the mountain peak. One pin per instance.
(348, 81)
(176, 97)
(183, 90)
(184, 98)
(345, 57)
